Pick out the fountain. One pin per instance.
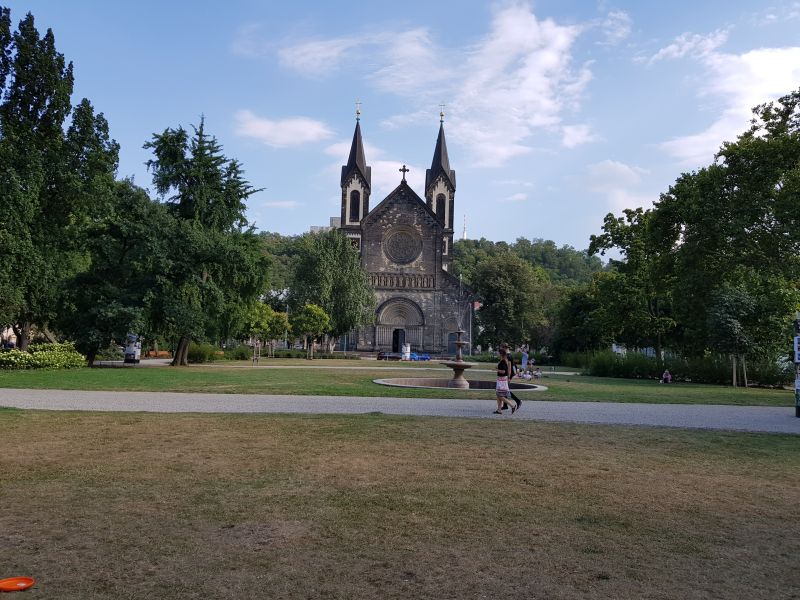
(458, 381)
(458, 365)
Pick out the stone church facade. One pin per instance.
(406, 248)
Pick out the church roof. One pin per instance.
(440, 164)
(404, 192)
(356, 161)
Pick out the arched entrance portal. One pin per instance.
(398, 339)
(399, 321)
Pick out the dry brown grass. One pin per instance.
(213, 506)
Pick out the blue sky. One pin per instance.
(557, 112)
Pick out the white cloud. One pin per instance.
(737, 83)
(516, 81)
(777, 14)
(616, 27)
(618, 183)
(612, 174)
(518, 197)
(317, 58)
(575, 135)
(411, 62)
(283, 133)
(692, 45)
(400, 62)
(249, 43)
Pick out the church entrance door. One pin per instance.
(398, 339)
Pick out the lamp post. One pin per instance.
(797, 364)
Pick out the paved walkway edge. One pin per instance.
(724, 417)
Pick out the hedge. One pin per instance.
(43, 356)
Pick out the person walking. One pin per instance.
(524, 365)
(501, 386)
(512, 372)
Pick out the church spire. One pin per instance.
(441, 163)
(357, 161)
(356, 184)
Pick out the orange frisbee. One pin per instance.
(15, 584)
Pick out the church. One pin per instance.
(406, 248)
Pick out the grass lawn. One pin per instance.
(352, 378)
(124, 506)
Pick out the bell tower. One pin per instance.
(440, 191)
(356, 183)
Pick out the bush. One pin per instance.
(290, 353)
(43, 356)
(201, 353)
(601, 364)
(772, 373)
(337, 355)
(577, 360)
(716, 369)
(111, 353)
(484, 357)
(241, 352)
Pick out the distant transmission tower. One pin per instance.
(465, 228)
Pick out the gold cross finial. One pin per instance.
(404, 170)
(358, 110)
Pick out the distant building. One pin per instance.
(406, 248)
(335, 222)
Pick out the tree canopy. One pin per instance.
(218, 265)
(328, 273)
(715, 265)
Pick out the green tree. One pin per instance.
(512, 305)
(51, 181)
(128, 251)
(267, 325)
(579, 324)
(311, 321)
(635, 298)
(277, 328)
(283, 252)
(719, 243)
(328, 273)
(218, 266)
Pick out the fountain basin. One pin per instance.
(473, 384)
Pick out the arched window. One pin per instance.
(355, 211)
(440, 208)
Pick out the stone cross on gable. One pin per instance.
(404, 170)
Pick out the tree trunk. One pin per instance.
(90, 356)
(744, 369)
(183, 344)
(23, 333)
(185, 354)
(733, 357)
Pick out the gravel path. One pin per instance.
(737, 418)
